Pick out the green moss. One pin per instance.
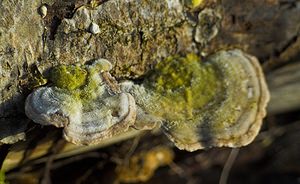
(82, 82)
(68, 77)
(173, 73)
(185, 85)
(89, 89)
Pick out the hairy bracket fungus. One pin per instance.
(218, 102)
(198, 104)
(81, 101)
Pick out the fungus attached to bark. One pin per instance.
(84, 107)
(198, 104)
(212, 103)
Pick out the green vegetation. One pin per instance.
(194, 3)
(2, 177)
(80, 81)
(185, 85)
(68, 77)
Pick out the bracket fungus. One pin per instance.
(202, 104)
(198, 104)
(83, 102)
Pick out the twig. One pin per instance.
(177, 169)
(133, 147)
(67, 161)
(46, 178)
(89, 172)
(228, 165)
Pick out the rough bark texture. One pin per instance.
(134, 35)
(21, 30)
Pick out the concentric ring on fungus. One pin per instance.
(90, 111)
(219, 102)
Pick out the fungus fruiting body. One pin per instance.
(80, 101)
(217, 102)
(198, 104)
